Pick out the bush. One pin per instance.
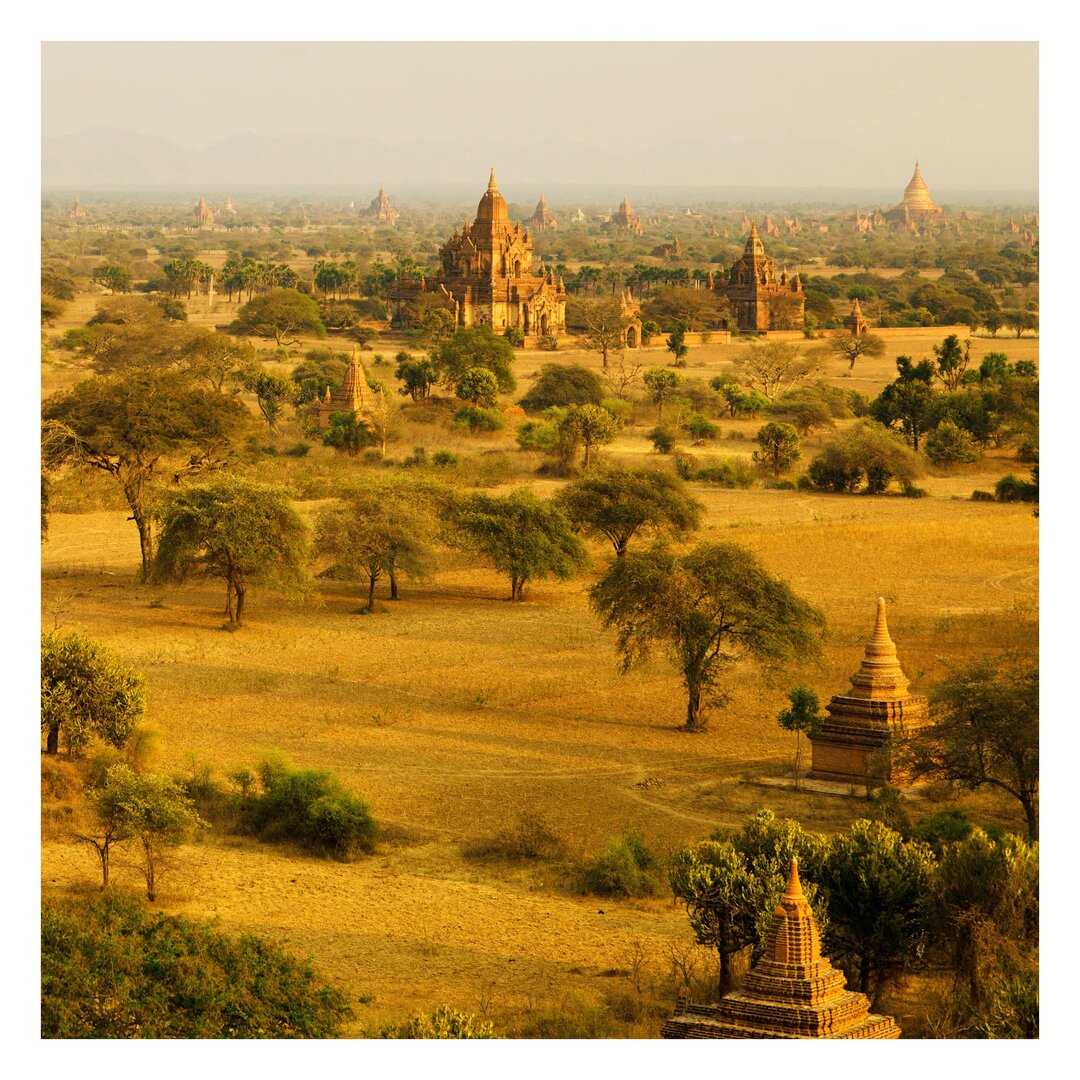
(982, 496)
(866, 453)
(944, 826)
(733, 473)
(444, 459)
(1012, 489)
(115, 970)
(443, 1023)
(626, 868)
(311, 807)
(949, 444)
(478, 420)
(686, 465)
(663, 440)
(702, 428)
(549, 343)
(515, 336)
(531, 837)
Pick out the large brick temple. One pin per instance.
(792, 992)
(486, 277)
(761, 299)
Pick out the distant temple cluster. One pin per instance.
(486, 277)
(792, 992)
(625, 220)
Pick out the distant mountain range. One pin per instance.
(111, 159)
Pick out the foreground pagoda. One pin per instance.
(793, 992)
(852, 742)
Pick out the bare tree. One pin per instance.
(775, 367)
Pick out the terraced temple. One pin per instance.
(793, 992)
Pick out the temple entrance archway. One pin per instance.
(632, 337)
(543, 324)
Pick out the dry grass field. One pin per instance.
(455, 713)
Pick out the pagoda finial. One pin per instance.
(492, 186)
(794, 886)
(881, 628)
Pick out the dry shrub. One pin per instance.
(530, 837)
(60, 780)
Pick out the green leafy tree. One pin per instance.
(909, 401)
(112, 276)
(867, 453)
(949, 444)
(215, 357)
(281, 314)
(589, 426)
(676, 344)
(86, 692)
(478, 386)
(985, 731)
(476, 347)
(382, 530)
(525, 538)
(418, 375)
(347, 434)
(708, 609)
(153, 810)
(1021, 321)
(562, 385)
(803, 715)
(320, 369)
(878, 889)
(130, 427)
(952, 361)
(623, 503)
(661, 384)
(779, 448)
(272, 392)
(237, 530)
(116, 970)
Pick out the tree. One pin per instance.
(779, 447)
(1021, 321)
(661, 384)
(155, 811)
(675, 343)
(236, 530)
(347, 433)
(128, 427)
(563, 384)
(949, 445)
(86, 691)
(993, 321)
(320, 369)
(803, 715)
(985, 731)
(112, 276)
(878, 890)
(418, 374)
(376, 531)
(281, 314)
(865, 452)
(909, 401)
(525, 538)
(621, 503)
(774, 367)
(214, 356)
(476, 347)
(605, 330)
(589, 426)
(696, 309)
(272, 392)
(844, 345)
(708, 608)
(952, 361)
(478, 386)
(383, 418)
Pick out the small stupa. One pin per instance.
(792, 992)
(861, 721)
(348, 399)
(857, 322)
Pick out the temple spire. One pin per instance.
(794, 887)
(492, 186)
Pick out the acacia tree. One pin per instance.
(620, 503)
(779, 447)
(475, 347)
(86, 691)
(272, 392)
(588, 426)
(524, 537)
(376, 531)
(236, 530)
(845, 345)
(128, 427)
(985, 731)
(605, 328)
(281, 314)
(909, 400)
(774, 367)
(708, 609)
(661, 384)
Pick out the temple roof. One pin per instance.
(492, 205)
(879, 677)
(754, 246)
(917, 194)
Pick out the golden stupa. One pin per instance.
(917, 204)
(792, 992)
(861, 721)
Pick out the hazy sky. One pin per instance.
(970, 109)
